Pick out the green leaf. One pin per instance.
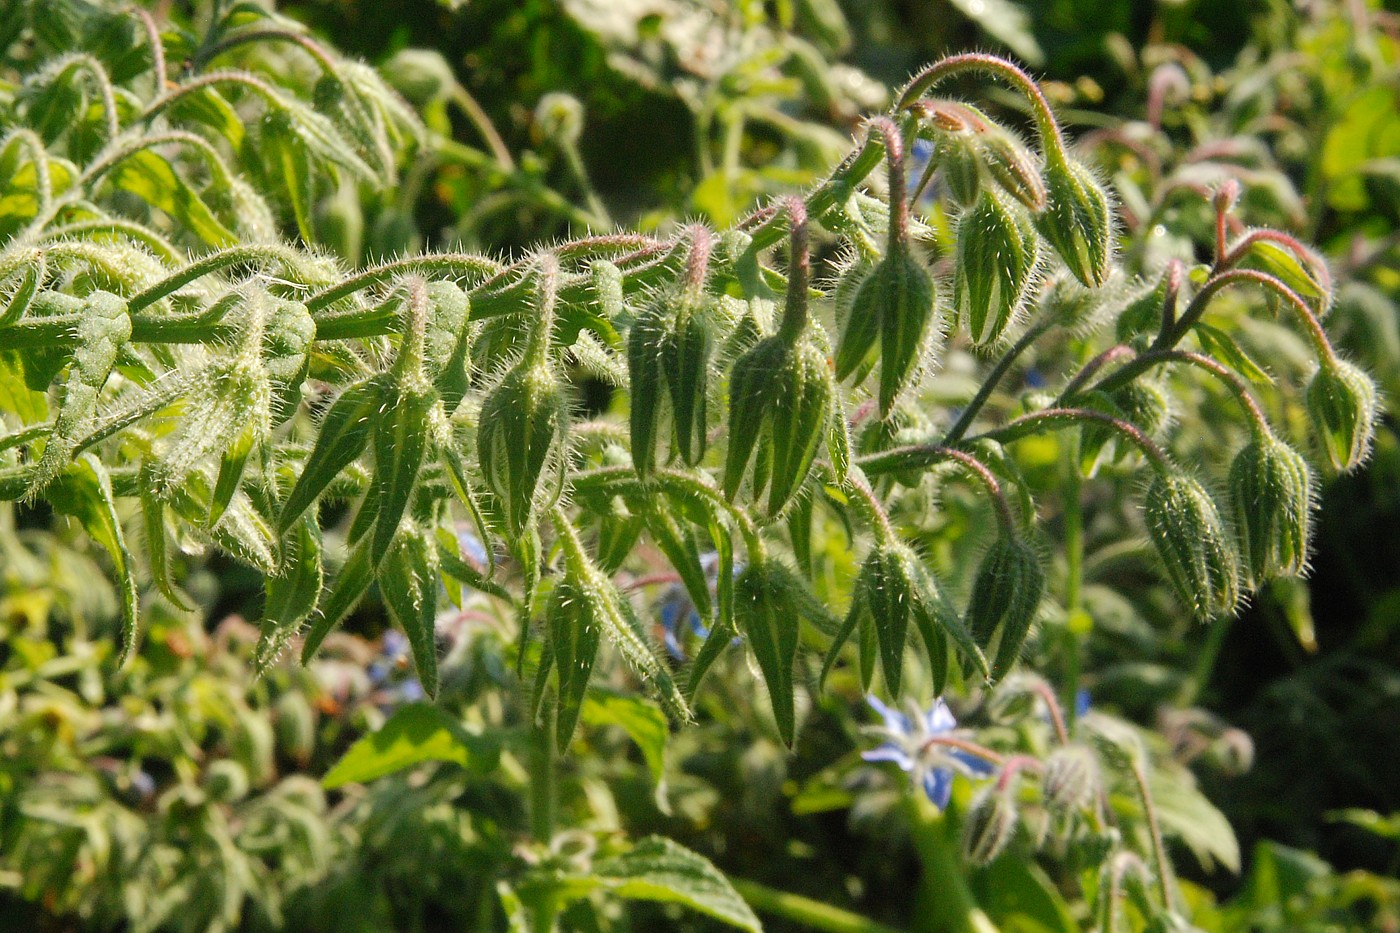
(343, 437)
(85, 492)
(1007, 22)
(1223, 347)
(416, 733)
(153, 180)
(1186, 813)
(657, 869)
(644, 724)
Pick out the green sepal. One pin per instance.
(1077, 222)
(349, 588)
(646, 352)
(687, 372)
(754, 385)
(906, 317)
(408, 582)
(800, 417)
(84, 490)
(574, 636)
(292, 594)
(344, 434)
(1005, 597)
(521, 426)
(679, 546)
(153, 525)
(400, 439)
(769, 624)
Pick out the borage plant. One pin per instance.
(182, 379)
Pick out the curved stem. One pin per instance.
(449, 263)
(1051, 138)
(38, 153)
(478, 118)
(1301, 309)
(917, 456)
(984, 392)
(260, 87)
(1161, 865)
(287, 257)
(799, 269)
(894, 156)
(148, 24)
(308, 45)
(1066, 417)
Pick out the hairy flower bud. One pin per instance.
(779, 408)
(1342, 403)
(226, 780)
(1005, 597)
(420, 75)
(574, 631)
(1271, 489)
(687, 369)
(1191, 541)
(885, 589)
(1071, 778)
(559, 118)
(1077, 222)
(959, 160)
(768, 618)
(996, 255)
(989, 825)
(522, 425)
(896, 303)
(1015, 169)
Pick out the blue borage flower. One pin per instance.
(910, 742)
(677, 612)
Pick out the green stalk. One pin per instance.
(804, 911)
(943, 902)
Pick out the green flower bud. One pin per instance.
(1014, 168)
(521, 429)
(960, 163)
(445, 343)
(287, 337)
(896, 303)
(1271, 489)
(1071, 779)
(768, 619)
(996, 255)
(420, 75)
(295, 726)
(990, 824)
(885, 590)
(687, 369)
(1191, 541)
(1342, 403)
(843, 298)
(1077, 222)
(1005, 597)
(780, 398)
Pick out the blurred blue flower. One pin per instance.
(677, 610)
(1081, 702)
(930, 765)
(917, 163)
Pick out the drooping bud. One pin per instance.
(646, 351)
(445, 350)
(1271, 490)
(1015, 169)
(1191, 541)
(1071, 778)
(996, 255)
(768, 620)
(1342, 404)
(1005, 597)
(1077, 221)
(522, 425)
(779, 407)
(886, 592)
(959, 161)
(896, 303)
(422, 76)
(687, 362)
(990, 824)
(559, 118)
(286, 345)
(843, 300)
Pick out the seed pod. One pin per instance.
(574, 636)
(1191, 541)
(1071, 779)
(1341, 401)
(990, 824)
(997, 252)
(1077, 222)
(768, 621)
(1014, 168)
(1005, 597)
(1271, 489)
(522, 426)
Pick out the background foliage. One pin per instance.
(182, 791)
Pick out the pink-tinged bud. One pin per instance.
(990, 824)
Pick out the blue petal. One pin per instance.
(939, 718)
(977, 764)
(1081, 702)
(938, 785)
(895, 721)
(890, 752)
